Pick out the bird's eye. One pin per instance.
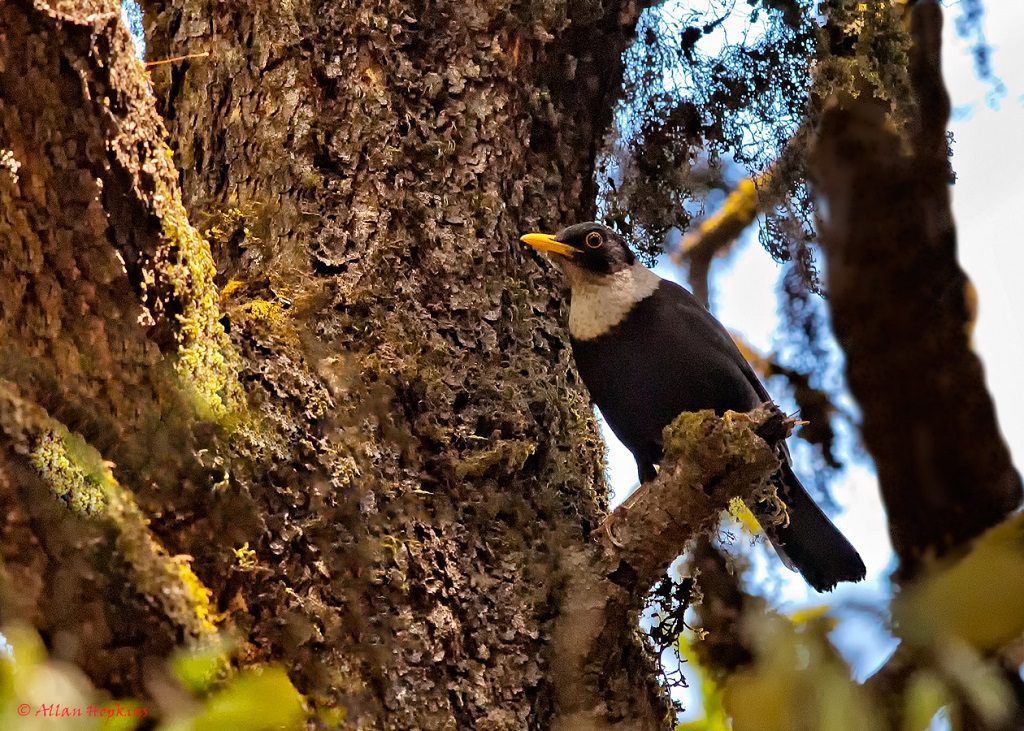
(593, 240)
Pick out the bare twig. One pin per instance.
(176, 59)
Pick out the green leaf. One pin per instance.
(253, 701)
(199, 670)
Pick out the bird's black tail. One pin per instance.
(810, 543)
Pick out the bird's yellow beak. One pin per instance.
(546, 242)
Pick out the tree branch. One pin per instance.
(723, 647)
(75, 473)
(754, 195)
(709, 460)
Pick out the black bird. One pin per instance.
(647, 351)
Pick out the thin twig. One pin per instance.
(175, 59)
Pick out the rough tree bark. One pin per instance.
(352, 437)
(387, 156)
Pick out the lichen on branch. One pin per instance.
(206, 361)
(709, 460)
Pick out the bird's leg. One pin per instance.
(647, 472)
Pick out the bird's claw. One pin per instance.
(608, 524)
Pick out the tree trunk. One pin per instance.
(380, 476)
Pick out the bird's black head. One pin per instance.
(590, 246)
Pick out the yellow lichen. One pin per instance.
(84, 491)
(245, 558)
(198, 595)
(169, 580)
(739, 211)
(268, 320)
(224, 224)
(739, 510)
(229, 289)
(311, 179)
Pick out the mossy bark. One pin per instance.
(379, 476)
(90, 332)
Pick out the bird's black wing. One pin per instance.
(668, 356)
(702, 324)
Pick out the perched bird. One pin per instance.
(647, 351)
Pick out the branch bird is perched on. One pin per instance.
(647, 351)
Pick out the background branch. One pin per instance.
(899, 308)
(716, 234)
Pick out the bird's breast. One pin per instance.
(601, 302)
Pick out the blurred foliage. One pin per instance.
(715, 717)
(798, 681)
(252, 700)
(950, 621)
(200, 669)
(960, 602)
(39, 692)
